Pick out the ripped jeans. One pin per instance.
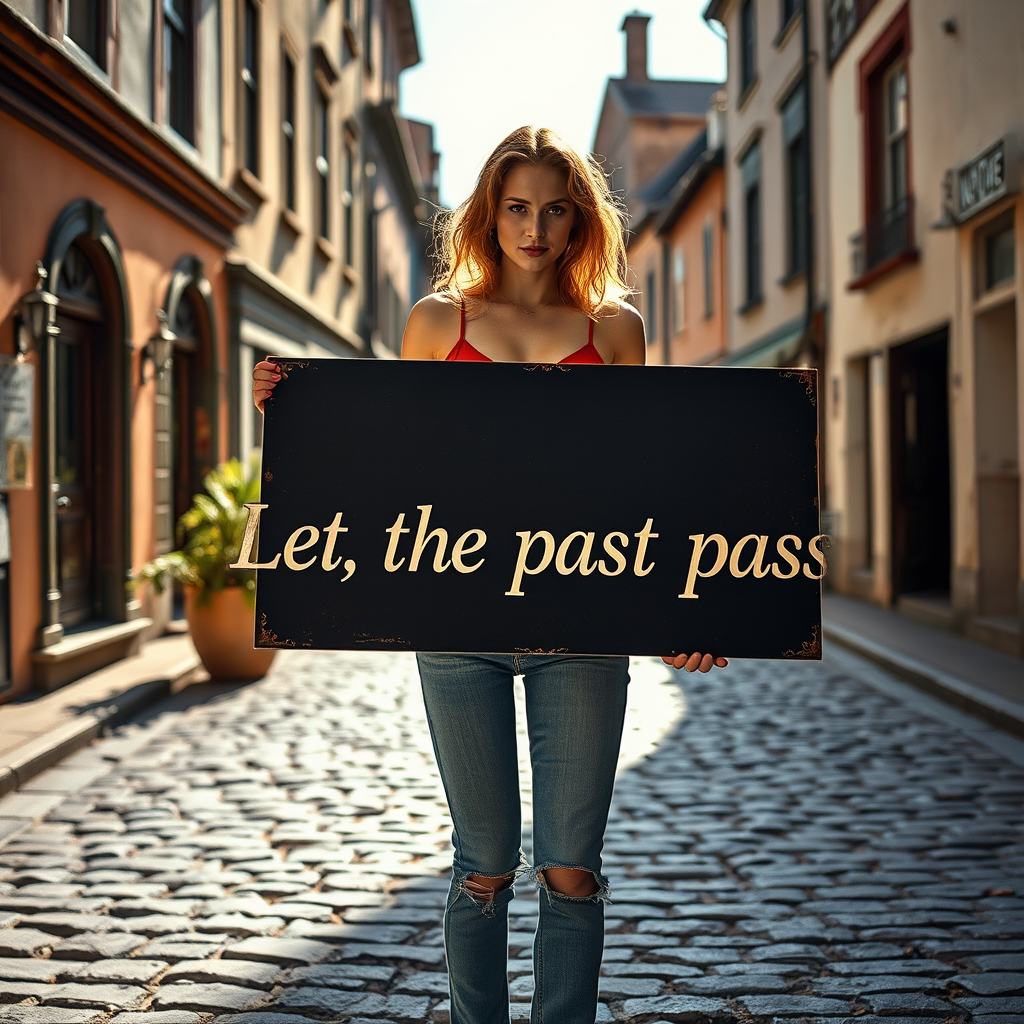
(574, 710)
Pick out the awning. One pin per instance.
(777, 348)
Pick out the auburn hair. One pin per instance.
(590, 274)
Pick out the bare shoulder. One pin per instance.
(619, 335)
(432, 328)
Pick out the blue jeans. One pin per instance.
(574, 709)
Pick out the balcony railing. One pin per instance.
(887, 235)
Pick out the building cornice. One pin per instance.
(246, 271)
(397, 147)
(44, 89)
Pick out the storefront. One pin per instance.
(112, 289)
(982, 205)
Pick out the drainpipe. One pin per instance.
(810, 348)
(666, 303)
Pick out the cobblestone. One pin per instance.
(786, 842)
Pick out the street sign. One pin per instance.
(517, 508)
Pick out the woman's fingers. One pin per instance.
(265, 377)
(694, 662)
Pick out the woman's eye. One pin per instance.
(557, 210)
(516, 208)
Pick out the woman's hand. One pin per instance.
(265, 376)
(694, 662)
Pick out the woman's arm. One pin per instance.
(432, 329)
(620, 337)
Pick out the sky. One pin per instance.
(490, 66)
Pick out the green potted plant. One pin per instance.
(220, 602)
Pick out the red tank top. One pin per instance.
(464, 351)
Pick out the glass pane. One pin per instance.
(83, 26)
(896, 96)
(999, 257)
(898, 170)
(69, 413)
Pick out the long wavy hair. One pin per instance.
(590, 273)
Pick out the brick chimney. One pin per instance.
(635, 27)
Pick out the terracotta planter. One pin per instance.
(222, 631)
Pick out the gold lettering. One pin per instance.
(252, 521)
(463, 547)
(526, 541)
(293, 545)
(791, 560)
(423, 539)
(814, 547)
(332, 532)
(756, 563)
(699, 544)
(644, 536)
(396, 530)
(583, 563)
(619, 556)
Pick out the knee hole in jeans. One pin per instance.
(575, 882)
(483, 889)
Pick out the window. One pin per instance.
(751, 174)
(995, 249)
(709, 252)
(368, 14)
(85, 19)
(678, 296)
(347, 31)
(887, 240)
(895, 128)
(288, 130)
(652, 306)
(794, 138)
(250, 87)
(748, 45)
(322, 165)
(346, 202)
(789, 10)
(179, 60)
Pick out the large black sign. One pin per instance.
(514, 508)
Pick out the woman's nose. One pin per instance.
(535, 229)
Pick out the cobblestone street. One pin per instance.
(788, 842)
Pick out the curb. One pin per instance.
(996, 710)
(42, 752)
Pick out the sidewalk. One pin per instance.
(38, 731)
(969, 675)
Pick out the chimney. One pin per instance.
(635, 27)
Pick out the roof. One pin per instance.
(656, 191)
(664, 96)
(687, 187)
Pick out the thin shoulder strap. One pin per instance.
(590, 335)
(462, 321)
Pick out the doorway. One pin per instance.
(919, 433)
(995, 353)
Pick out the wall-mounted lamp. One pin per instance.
(38, 313)
(158, 354)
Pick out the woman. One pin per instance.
(531, 270)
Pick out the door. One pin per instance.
(919, 423)
(75, 478)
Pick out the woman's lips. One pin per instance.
(534, 250)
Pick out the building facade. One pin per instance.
(650, 133)
(926, 361)
(201, 185)
(114, 225)
(776, 181)
(334, 254)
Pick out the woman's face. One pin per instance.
(534, 216)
